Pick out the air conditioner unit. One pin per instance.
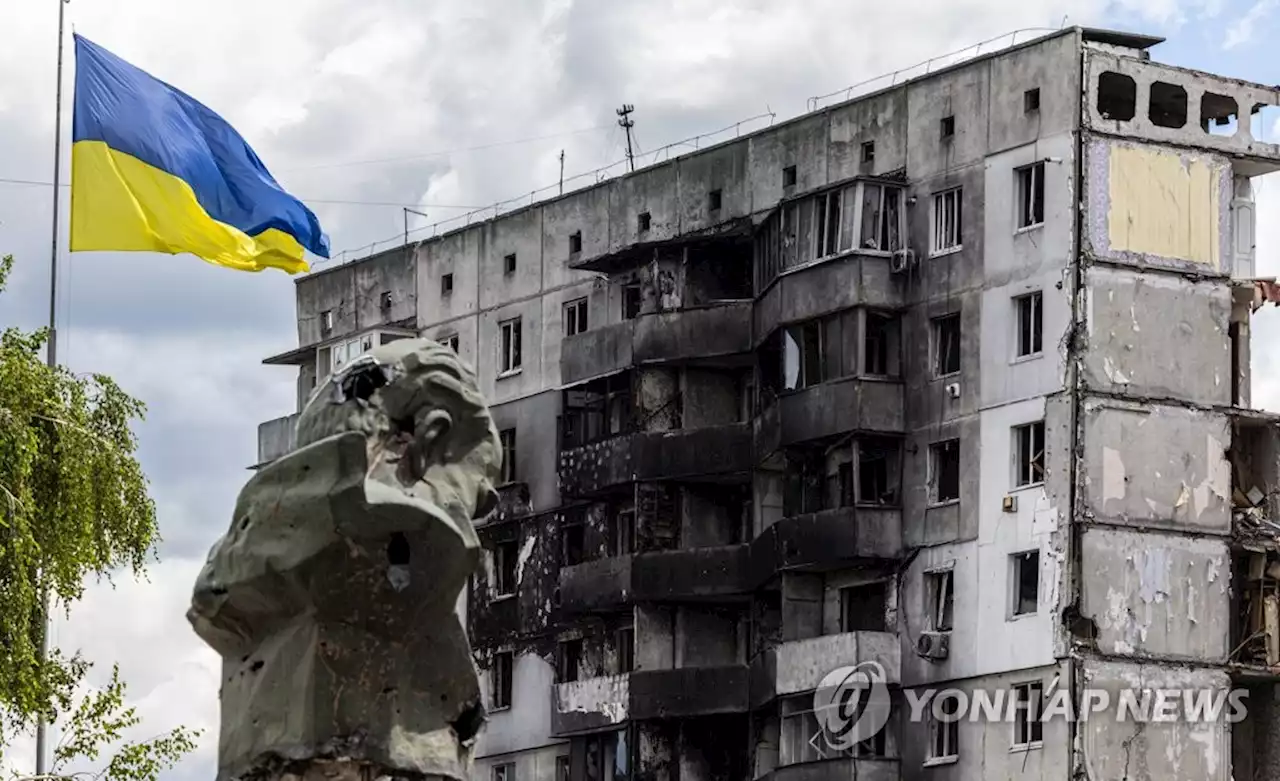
(934, 645)
(902, 260)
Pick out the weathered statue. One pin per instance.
(333, 597)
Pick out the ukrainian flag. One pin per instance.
(153, 170)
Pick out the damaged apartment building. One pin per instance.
(953, 377)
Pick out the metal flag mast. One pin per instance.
(52, 351)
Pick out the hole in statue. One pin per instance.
(398, 550)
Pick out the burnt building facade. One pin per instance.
(952, 378)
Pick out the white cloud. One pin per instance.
(1242, 31)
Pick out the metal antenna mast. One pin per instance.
(626, 123)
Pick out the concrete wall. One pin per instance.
(527, 723)
(532, 765)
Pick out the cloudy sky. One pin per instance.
(360, 106)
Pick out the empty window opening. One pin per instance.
(508, 438)
(1026, 582)
(844, 484)
(948, 127)
(826, 214)
(450, 341)
(946, 345)
(569, 660)
(562, 769)
(1031, 100)
(880, 354)
(572, 542)
(945, 231)
(944, 471)
(1028, 454)
(326, 321)
(446, 284)
(500, 680)
(643, 222)
(504, 772)
(862, 608)
(625, 642)
(868, 151)
(802, 363)
(509, 263)
(940, 594)
(505, 556)
(1030, 186)
(1218, 114)
(630, 301)
(575, 242)
(384, 301)
(714, 200)
(944, 729)
(1028, 705)
(881, 217)
(878, 471)
(1117, 96)
(575, 316)
(510, 359)
(623, 534)
(789, 176)
(1030, 311)
(1168, 105)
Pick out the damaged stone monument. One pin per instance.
(332, 597)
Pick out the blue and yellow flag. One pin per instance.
(153, 170)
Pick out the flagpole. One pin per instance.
(52, 352)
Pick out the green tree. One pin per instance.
(73, 505)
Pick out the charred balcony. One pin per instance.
(798, 666)
(684, 692)
(698, 574)
(840, 769)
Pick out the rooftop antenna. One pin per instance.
(407, 212)
(625, 121)
(561, 172)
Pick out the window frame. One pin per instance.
(501, 552)
(945, 239)
(936, 450)
(451, 341)
(936, 343)
(944, 737)
(1031, 306)
(501, 687)
(505, 771)
(1028, 454)
(509, 473)
(446, 284)
(509, 262)
(575, 316)
(1017, 562)
(1028, 718)
(510, 346)
(940, 593)
(1030, 192)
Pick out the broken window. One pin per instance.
(714, 201)
(562, 768)
(575, 242)
(948, 127)
(623, 534)
(845, 494)
(944, 728)
(1030, 187)
(1168, 105)
(508, 438)
(625, 643)
(509, 264)
(945, 231)
(630, 301)
(505, 556)
(1028, 454)
(1031, 101)
(1218, 111)
(880, 352)
(941, 600)
(878, 471)
(510, 359)
(500, 680)
(643, 222)
(1117, 96)
(804, 734)
(881, 217)
(568, 660)
(446, 285)
(504, 772)
(572, 540)
(804, 482)
(802, 356)
(384, 301)
(1026, 582)
(1030, 323)
(450, 341)
(946, 345)
(1028, 705)
(789, 176)
(862, 608)
(868, 151)
(595, 411)
(944, 471)
(827, 229)
(575, 316)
